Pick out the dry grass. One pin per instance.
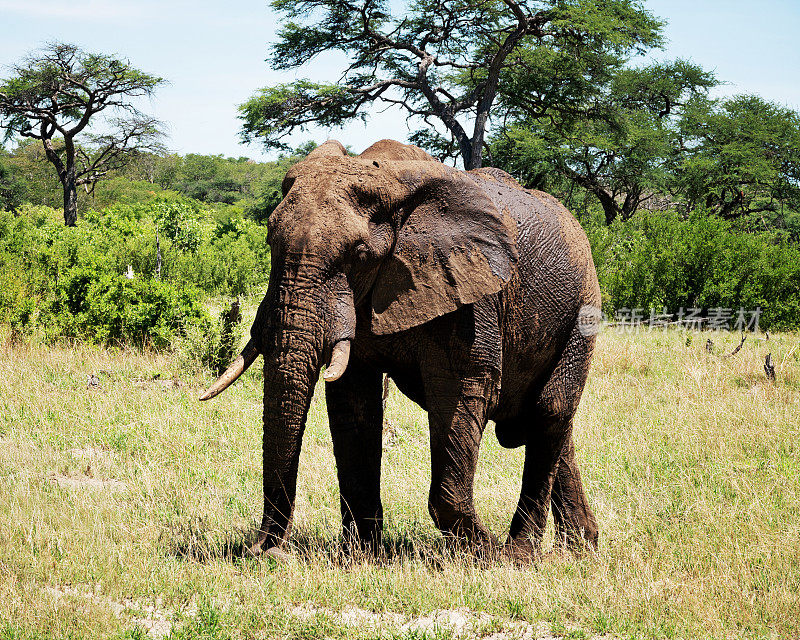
(690, 460)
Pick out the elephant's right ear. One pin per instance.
(453, 248)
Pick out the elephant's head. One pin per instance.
(393, 229)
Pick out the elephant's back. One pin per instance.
(555, 277)
(553, 248)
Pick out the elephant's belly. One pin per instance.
(410, 386)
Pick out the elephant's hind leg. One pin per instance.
(541, 461)
(574, 519)
(355, 413)
(549, 444)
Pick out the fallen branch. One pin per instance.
(736, 350)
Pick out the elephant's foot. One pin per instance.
(521, 551)
(268, 546)
(363, 538)
(278, 555)
(275, 553)
(578, 541)
(257, 548)
(366, 546)
(483, 549)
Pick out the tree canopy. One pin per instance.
(450, 64)
(55, 95)
(740, 157)
(623, 154)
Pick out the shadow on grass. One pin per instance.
(197, 541)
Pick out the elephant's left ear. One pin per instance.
(453, 248)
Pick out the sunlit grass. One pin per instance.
(691, 462)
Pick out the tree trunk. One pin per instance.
(475, 160)
(631, 203)
(610, 206)
(466, 155)
(66, 174)
(70, 201)
(591, 184)
(158, 256)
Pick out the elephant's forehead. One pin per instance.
(318, 220)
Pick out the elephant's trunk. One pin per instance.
(296, 324)
(290, 374)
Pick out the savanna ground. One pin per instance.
(123, 507)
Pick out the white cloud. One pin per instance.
(95, 10)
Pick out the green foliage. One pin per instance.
(210, 178)
(113, 309)
(177, 219)
(119, 189)
(742, 158)
(214, 345)
(213, 180)
(658, 259)
(617, 145)
(12, 189)
(57, 282)
(458, 62)
(28, 162)
(275, 111)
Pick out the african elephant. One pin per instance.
(477, 297)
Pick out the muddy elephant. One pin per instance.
(477, 297)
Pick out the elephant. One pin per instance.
(477, 297)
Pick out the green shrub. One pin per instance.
(70, 282)
(659, 259)
(141, 312)
(177, 218)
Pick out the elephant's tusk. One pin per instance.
(239, 366)
(339, 358)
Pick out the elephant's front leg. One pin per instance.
(457, 412)
(355, 413)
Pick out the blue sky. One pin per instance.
(213, 55)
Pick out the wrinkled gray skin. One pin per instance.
(464, 288)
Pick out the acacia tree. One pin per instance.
(55, 95)
(622, 155)
(451, 63)
(741, 157)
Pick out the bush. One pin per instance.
(70, 282)
(659, 259)
(111, 309)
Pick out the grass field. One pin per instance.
(120, 505)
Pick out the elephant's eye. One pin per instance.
(361, 251)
